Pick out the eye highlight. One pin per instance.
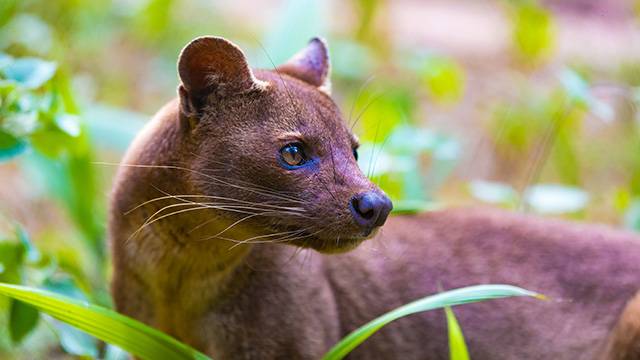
(293, 154)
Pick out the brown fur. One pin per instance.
(273, 300)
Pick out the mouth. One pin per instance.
(339, 244)
(329, 242)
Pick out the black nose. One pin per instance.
(370, 209)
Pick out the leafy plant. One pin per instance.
(38, 112)
(108, 325)
(149, 343)
(460, 296)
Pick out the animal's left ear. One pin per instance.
(311, 65)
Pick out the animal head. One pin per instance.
(275, 144)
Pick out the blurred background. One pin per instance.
(528, 105)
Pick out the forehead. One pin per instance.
(302, 107)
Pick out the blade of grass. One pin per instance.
(457, 346)
(460, 296)
(135, 337)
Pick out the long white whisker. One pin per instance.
(216, 179)
(285, 238)
(185, 196)
(228, 227)
(183, 211)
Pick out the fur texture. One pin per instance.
(204, 215)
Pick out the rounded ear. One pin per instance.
(311, 65)
(211, 65)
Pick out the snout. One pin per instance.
(370, 209)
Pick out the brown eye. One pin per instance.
(293, 155)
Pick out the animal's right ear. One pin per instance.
(212, 68)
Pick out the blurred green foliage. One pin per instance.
(78, 79)
(533, 31)
(457, 345)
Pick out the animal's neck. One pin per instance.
(174, 222)
(185, 232)
(187, 270)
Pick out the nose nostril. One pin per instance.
(362, 209)
(368, 215)
(369, 209)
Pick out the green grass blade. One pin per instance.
(107, 325)
(460, 296)
(457, 346)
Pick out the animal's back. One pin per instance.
(588, 272)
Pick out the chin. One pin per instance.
(342, 247)
(335, 244)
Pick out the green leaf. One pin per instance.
(74, 341)
(69, 124)
(459, 296)
(444, 78)
(20, 124)
(107, 325)
(11, 261)
(53, 143)
(115, 353)
(32, 253)
(580, 93)
(31, 73)
(534, 31)
(28, 31)
(10, 146)
(23, 319)
(457, 346)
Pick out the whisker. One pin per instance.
(377, 157)
(227, 228)
(227, 204)
(199, 206)
(181, 196)
(272, 241)
(373, 149)
(232, 225)
(542, 153)
(366, 107)
(146, 224)
(256, 186)
(358, 94)
(335, 181)
(327, 189)
(275, 69)
(216, 179)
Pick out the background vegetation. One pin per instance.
(522, 104)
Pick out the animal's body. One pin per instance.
(255, 247)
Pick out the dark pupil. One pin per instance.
(293, 155)
(355, 154)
